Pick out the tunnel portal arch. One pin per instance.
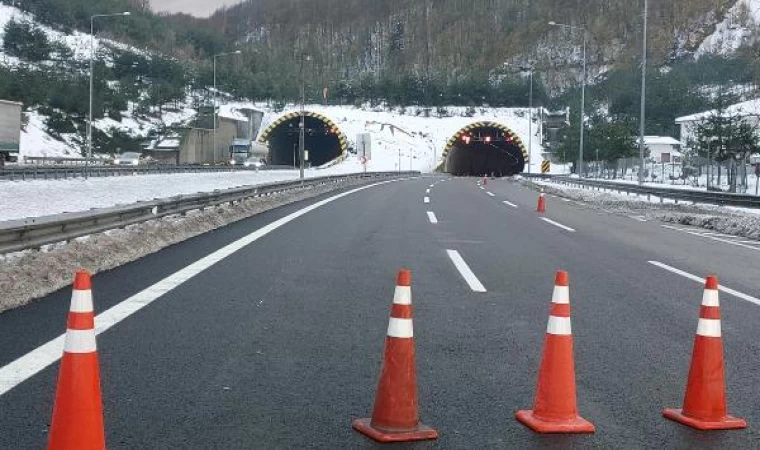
(324, 140)
(485, 148)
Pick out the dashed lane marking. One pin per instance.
(43, 356)
(508, 203)
(639, 218)
(426, 200)
(465, 271)
(693, 277)
(558, 225)
(431, 216)
(491, 194)
(427, 191)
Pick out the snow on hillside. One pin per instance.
(734, 31)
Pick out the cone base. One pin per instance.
(421, 433)
(728, 422)
(575, 425)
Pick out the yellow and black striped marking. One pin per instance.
(546, 166)
(264, 138)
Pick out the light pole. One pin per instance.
(92, 78)
(583, 90)
(530, 118)
(237, 52)
(643, 95)
(302, 126)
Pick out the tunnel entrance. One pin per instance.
(485, 148)
(323, 140)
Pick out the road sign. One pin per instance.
(546, 166)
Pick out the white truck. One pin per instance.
(10, 131)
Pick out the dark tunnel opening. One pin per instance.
(321, 141)
(485, 150)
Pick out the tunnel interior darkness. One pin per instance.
(321, 139)
(485, 150)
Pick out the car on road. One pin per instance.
(128, 159)
(254, 161)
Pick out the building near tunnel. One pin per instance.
(324, 142)
(485, 148)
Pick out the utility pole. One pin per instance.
(643, 95)
(530, 124)
(302, 126)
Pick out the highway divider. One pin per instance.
(25, 234)
(686, 195)
(64, 172)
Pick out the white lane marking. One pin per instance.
(38, 359)
(465, 271)
(726, 241)
(432, 184)
(426, 200)
(482, 188)
(491, 194)
(506, 202)
(557, 224)
(565, 199)
(693, 277)
(431, 216)
(428, 191)
(639, 218)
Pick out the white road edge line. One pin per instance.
(426, 200)
(43, 356)
(491, 194)
(507, 202)
(693, 277)
(465, 271)
(558, 225)
(693, 233)
(431, 216)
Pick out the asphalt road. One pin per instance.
(279, 344)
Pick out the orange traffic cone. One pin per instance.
(395, 416)
(704, 405)
(78, 411)
(555, 409)
(541, 203)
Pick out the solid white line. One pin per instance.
(725, 241)
(693, 277)
(509, 203)
(465, 271)
(426, 200)
(491, 194)
(431, 216)
(38, 359)
(557, 224)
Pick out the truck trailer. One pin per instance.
(10, 131)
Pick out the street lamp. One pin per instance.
(583, 89)
(237, 52)
(92, 76)
(302, 133)
(643, 94)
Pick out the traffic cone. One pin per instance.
(704, 405)
(541, 203)
(395, 416)
(555, 409)
(78, 411)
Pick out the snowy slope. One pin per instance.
(734, 31)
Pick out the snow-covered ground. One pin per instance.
(734, 31)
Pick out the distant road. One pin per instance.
(278, 344)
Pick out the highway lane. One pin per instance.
(278, 346)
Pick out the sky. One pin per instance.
(200, 8)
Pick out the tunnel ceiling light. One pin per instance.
(488, 138)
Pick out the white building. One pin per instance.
(663, 149)
(749, 111)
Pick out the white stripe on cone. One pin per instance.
(710, 298)
(81, 301)
(559, 326)
(400, 328)
(402, 295)
(708, 328)
(561, 295)
(80, 341)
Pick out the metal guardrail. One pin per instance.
(25, 234)
(686, 195)
(23, 173)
